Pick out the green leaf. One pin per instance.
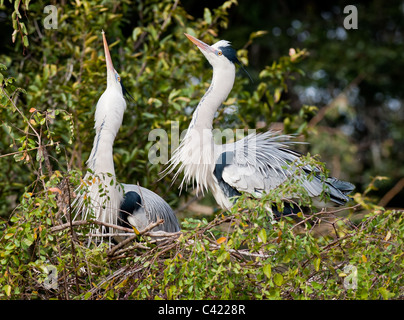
(16, 5)
(317, 263)
(386, 294)
(7, 289)
(136, 33)
(8, 235)
(148, 115)
(262, 235)
(316, 285)
(267, 270)
(27, 242)
(277, 94)
(14, 18)
(207, 16)
(23, 27)
(26, 3)
(258, 34)
(88, 295)
(25, 41)
(278, 279)
(224, 256)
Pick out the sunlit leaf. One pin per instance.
(221, 240)
(55, 189)
(262, 235)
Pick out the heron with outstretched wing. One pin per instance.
(255, 164)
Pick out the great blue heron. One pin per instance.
(127, 205)
(253, 165)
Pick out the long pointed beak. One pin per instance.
(200, 44)
(110, 66)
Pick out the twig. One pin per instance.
(164, 25)
(27, 150)
(38, 30)
(112, 276)
(135, 245)
(85, 222)
(187, 204)
(120, 254)
(163, 234)
(130, 239)
(311, 216)
(336, 241)
(215, 246)
(111, 234)
(73, 249)
(392, 193)
(216, 222)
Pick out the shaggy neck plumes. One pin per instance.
(196, 154)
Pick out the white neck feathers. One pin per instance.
(108, 119)
(196, 154)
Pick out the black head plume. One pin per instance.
(126, 92)
(231, 54)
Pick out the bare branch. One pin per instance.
(85, 222)
(130, 239)
(392, 193)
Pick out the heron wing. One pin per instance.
(261, 162)
(257, 163)
(153, 207)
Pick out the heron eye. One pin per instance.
(118, 78)
(219, 53)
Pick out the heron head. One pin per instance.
(112, 75)
(113, 78)
(220, 54)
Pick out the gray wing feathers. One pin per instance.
(344, 186)
(261, 162)
(155, 208)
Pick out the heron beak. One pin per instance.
(200, 44)
(110, 66)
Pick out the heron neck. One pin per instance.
(220, 87)
(196, 154)
(101, 157)
(108, 119)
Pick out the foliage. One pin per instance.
(48, 99)
(238, 255)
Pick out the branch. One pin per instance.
(392, 193)
(27, 150)
(311, 216)
(130, 239)
(186, 204)
(163, 234)
(85, 222)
